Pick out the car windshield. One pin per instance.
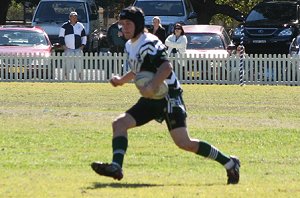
(204, 41)
(273, 12)
(58, 11)
(21, 38)
(161, 8)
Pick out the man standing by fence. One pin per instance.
(73, 39)
(115, 38)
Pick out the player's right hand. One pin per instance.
(116, 81)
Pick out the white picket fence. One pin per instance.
(190, 69)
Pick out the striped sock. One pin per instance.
(211, 152)
(119, 145)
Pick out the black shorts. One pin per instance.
(172, 110)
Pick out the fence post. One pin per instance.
(242, 51)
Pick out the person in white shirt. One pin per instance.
(177, 41)
(73, 39)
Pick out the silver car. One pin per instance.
(169, 11)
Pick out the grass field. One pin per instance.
(50, 133)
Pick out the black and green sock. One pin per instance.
(119, 145)
(211, 152)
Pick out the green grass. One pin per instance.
(50, 133)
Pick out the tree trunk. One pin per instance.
(206, 9)
(3, 11)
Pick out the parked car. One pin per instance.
(24, 41)
(269, 27)
(169, 11)
(207, 41)
(51, 14)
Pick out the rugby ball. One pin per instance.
(144, 77)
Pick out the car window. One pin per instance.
(226, 37)
(288, 12)
(23, 38)
(204, 41)
(161, 8)
(56, 11)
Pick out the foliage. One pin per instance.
(15, 11)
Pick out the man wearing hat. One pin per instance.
(72, 38)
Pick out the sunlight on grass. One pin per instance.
(50, 133)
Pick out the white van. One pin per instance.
(169, 11)
(51, 14)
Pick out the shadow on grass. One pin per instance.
(121, 185)
(97, 185)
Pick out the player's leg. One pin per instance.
(176, 122)
(181, 138)
(232, 164)
(137, 115)
(119, 143)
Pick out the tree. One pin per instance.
(206, 9)
(3, 11)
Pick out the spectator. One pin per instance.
(115, 38)
(73, 39)
(177, 41)
(157, 29)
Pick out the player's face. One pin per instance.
(128, 28)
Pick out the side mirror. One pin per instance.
(231, 47)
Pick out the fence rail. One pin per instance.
(190, 69)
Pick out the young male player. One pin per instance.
(147, 53)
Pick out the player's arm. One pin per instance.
(118, 81)
(162, 73)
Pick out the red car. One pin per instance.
(207, 41)
(23, 52)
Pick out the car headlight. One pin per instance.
(286, 32)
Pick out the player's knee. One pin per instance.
(119, 125)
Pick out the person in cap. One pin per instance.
(73, 39)
(147, 53)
